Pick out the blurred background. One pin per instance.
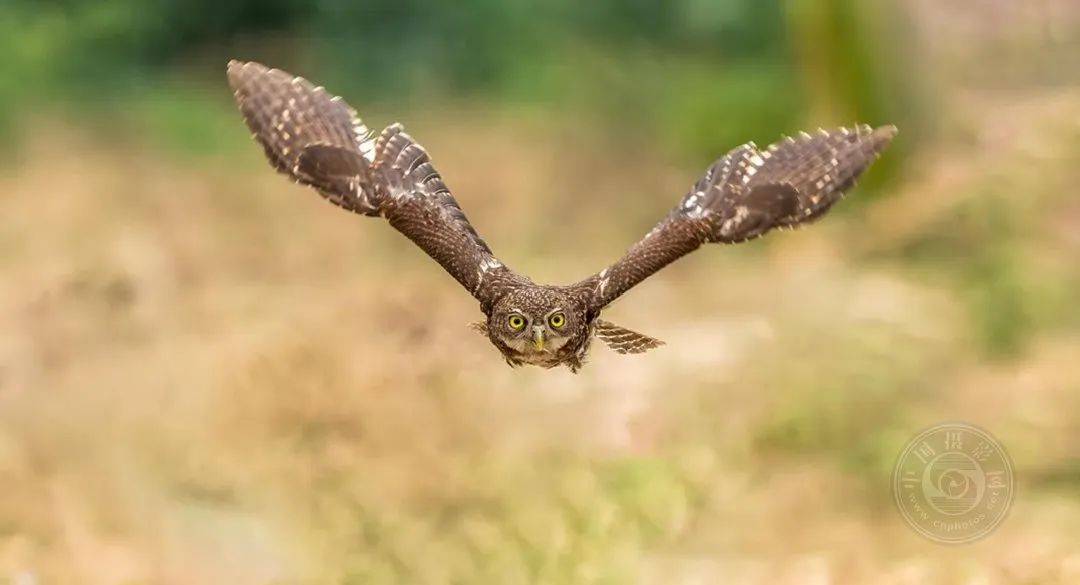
(208, 375)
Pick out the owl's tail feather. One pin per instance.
(748, 192)
(622, 340)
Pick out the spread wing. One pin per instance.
(743, 195)
(318, 140)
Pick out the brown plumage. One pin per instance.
(319, 141)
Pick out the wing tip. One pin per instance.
(888, 130)
(237, 71)
(883, 135)
(235, 66)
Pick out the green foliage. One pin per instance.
(847, 59)
(708, 109)
(183, 121)
(700, 76)
(999, 305)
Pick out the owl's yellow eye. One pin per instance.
(557, 320)
(516, 322)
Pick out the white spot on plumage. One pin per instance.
(733, 222)
(692, 201)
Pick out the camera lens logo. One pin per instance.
(953, 483)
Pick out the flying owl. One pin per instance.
(318, 140)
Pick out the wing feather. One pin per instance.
(743, 195)
(319, 141)
(287, 114)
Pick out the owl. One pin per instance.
(319, 141)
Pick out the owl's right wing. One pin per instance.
(319, 141)
(743, 195)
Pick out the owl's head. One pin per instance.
(536, 320)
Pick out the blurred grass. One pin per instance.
(206, 375)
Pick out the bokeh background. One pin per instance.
(208, 375)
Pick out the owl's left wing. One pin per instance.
(743, 195)
(318, 140)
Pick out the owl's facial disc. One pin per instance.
(534, 322)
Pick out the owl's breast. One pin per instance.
(569, 354)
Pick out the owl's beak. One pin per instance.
(538, 338)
